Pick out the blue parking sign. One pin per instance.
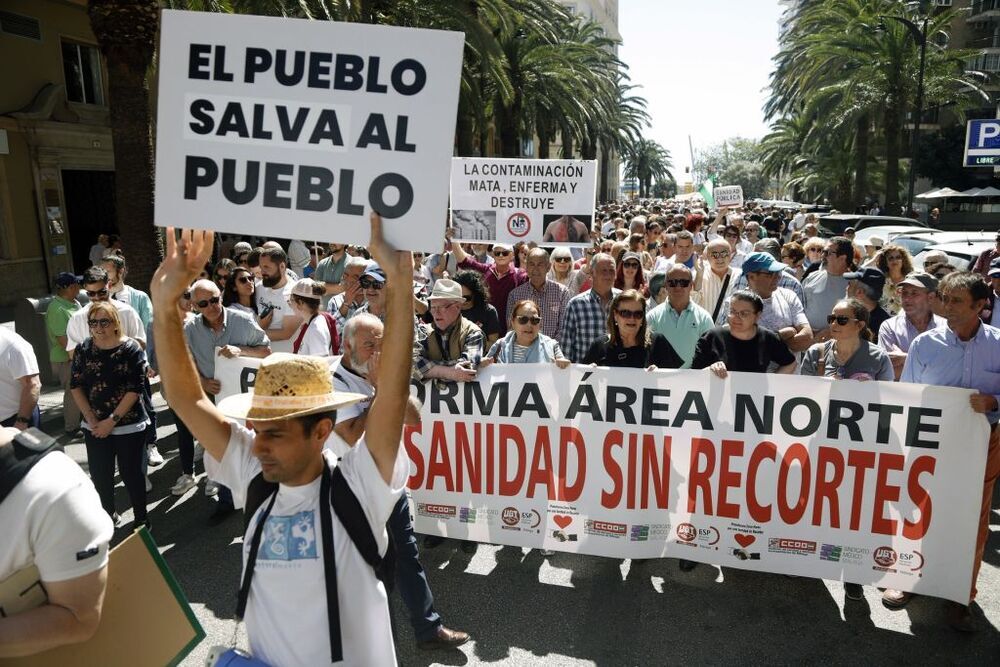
(982, 143)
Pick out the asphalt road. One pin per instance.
(522, 609)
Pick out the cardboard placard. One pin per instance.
(146, 619)
(728, 195)
(506, 200)
(297, 128)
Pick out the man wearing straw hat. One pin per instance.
(292, 410)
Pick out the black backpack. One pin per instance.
(348, 509)
(16, 460)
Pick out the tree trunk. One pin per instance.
(126, 30)
(567, 142)
(543, 141)
(464, 130)
(602, 186)
(892, 137)
(510, 143)
(861, 162)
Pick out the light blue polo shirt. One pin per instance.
(682, 329)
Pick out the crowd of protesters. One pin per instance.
(659, 285)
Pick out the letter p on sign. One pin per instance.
(987, 131)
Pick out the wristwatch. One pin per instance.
(115, 417)
(22, 420)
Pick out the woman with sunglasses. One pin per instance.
(220, 274)
(629, 342)
(630, 275)
(107, 378)
(563, 271)
(849, 354)
(525, 343)
(317, 335)
(741, 345)
(476, 306)
(896, 263)
(239, 291)
(794, 255)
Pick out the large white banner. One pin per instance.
(869, 482)
(299, 128)
(550, 202)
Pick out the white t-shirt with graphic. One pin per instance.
(277, 297)
(286, 614)
(53, 519)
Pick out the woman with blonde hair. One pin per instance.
(107, 379)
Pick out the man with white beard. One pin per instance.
(358, 373)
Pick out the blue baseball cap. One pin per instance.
(65, 279)
(764, 262)
(375, 272)
(994, 271)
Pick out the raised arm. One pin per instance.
(384, 426)
(184, 260)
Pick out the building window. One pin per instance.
(82, 70)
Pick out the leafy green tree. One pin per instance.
(647, 162)
(735, 161)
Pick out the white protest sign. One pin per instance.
(728, 195)
(874, 483)
(297, 128)
(550, 202)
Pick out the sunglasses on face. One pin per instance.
(467, 297)
(816, 250)
(894, 258)
(370, 284)
(561, 259)
(222, 276)
(678, 282)
(839, 319)
(101, 292)
(501, 253)
(631, 265)
(103, 323)
(626, 314)
(719, 254)
(204, 302)
(186, 296)
(244, 280)
(528, 319)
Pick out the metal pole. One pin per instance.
(916, 120)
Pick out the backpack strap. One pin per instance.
(18, 458)
(258, 491)
(297, 343)
(330, 567)
(353, 517)
(258, 531)
(331, 324)
(722, 296)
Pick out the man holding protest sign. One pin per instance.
(292, 410)
(966, 354)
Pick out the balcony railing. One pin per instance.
(981, 7)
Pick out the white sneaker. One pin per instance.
(199, 453)
(211, 488)
(547, 552)
(183, 485)
(149, 485)
(155, 458)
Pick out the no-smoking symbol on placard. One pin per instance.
(519, 224)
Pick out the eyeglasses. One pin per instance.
(244, 280)
(740, 314)
(526, 319)
(816, 250)
(631, 265)
(204, 302)
(441, 307)
(560, 259)
(678, 282)
(101, 292)
(630, 314)
(370, 284)
(501, 253)
(103, 323)
(839, 319)
(719, 254)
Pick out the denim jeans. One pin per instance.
(410, 576)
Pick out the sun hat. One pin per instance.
(288, 386)
(446, 290)
(307, 288)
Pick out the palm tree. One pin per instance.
(126, 32)
(647, 161)
(854, 67)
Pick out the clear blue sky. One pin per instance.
(703, 66)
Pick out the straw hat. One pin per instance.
(287, 386)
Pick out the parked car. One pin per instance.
(835, 224)
(885, 232)
(962, 255)
(915, 241)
